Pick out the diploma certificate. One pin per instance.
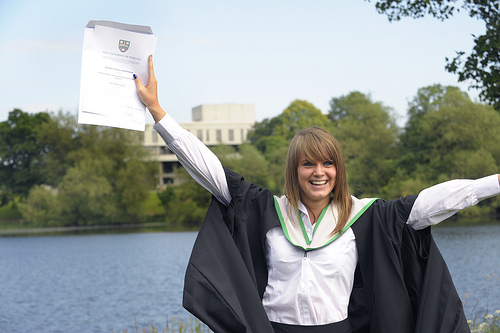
(112, 53)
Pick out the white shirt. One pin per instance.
(308, 288)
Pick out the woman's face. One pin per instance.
(316, 181)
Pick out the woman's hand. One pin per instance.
(148, 93)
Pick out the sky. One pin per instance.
(267, 53)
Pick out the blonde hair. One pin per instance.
(316, 143)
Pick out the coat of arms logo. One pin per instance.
(123, 45)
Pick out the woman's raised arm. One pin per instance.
(201, 163)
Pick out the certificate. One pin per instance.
(112, 53)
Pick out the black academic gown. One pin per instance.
(401, 285)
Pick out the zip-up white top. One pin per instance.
(308, 287)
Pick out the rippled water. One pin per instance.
(107, 283)
(91, 283)
(473, 254)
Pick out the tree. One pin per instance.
(41, 207)
(61, 137)
(272, 137)
(99, 175)
(249, 162)
(482, 65)
(298, 115)
(20, 152)
(86, 195)
(367, 134)
(449, 136)
(263, 129)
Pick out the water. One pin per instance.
(472, 254)
(93, 283)
(108, 283)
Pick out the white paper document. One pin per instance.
(112, 53)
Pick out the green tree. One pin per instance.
(298, 115)
(272, 137)
(414, 146)
(247, 161)
(20, 152)
(446, 132)
(482, 65)
(185, 205)
(100, 174)
(367, 134)
(61, 138)
(41, 207)
(264, 129)
(447, 136)
(86, 196)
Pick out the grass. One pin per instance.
(488, 322)
(194, 325)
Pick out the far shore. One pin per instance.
(69, 229)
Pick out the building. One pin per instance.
(213, 124)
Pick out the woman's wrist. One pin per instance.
(157, 112)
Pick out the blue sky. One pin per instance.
(266, 53)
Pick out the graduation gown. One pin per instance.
(401, 285)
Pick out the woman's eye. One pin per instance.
(328, 163)
(307, 164)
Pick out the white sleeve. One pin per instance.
(441, 201)
(199, 161)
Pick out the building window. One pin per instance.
(231, 135)
(167, 167)
(243, 135)
(155, 137)
(208, 136)
(165, 151)
(199, 134)
(218, 135)
(167, 181)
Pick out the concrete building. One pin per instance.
(213, 124)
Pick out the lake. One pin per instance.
(112, 282)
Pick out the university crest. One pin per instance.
(123, 45)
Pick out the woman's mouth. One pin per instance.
(318, 182)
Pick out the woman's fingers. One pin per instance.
(148, 92)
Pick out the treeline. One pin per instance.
(69, 174)
(59, 173)
(446, 136)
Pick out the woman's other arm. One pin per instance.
(442, 201)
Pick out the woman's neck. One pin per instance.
(314, 210)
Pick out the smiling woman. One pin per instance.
(311, 173)
(316, 259)
(316, 181)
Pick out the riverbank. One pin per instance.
(83, 229)
(14, 227)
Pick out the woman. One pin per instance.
(316, 259)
